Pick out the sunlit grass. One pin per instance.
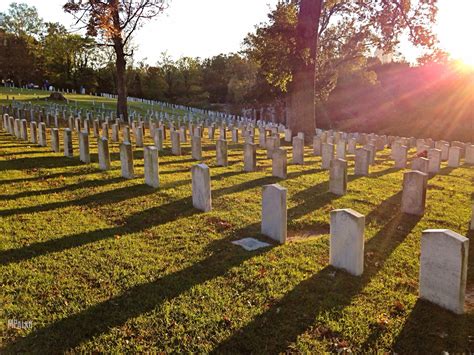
(103, 264)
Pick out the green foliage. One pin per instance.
(22, 20)
(348, 31)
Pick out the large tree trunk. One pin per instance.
(301, 98)
(120, 65)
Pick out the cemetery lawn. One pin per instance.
(102, 264)
(85, 102)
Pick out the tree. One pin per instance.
(308, 42)
(22, 20)
(69, 59)
(114, 21)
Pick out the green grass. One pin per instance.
(84, 102)
(103, 264)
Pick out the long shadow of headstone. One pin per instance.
(276, 328)
(69, 332)
(432, 329)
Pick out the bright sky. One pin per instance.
(208, 27)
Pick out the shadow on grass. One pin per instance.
(102, 198)
(91, 170)
(100, 318)
(432, 329)
(26, 152)
(39, 163)
(72, 187)
(275, 329)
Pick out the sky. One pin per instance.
(208, 27)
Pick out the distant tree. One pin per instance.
(114, 21)
(70, 59)
(22, 20)
(17, 61)
(307, 42)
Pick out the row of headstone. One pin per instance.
(443, 262)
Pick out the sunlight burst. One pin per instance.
(456, 28)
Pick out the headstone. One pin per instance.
(42, 134)
(338, 177)
(158, 137)
(454, 157)
(115, 132)
(274, 212)
(250, 244)
(84, 154)
(235, 135)
(351, 146)
(271, 145)
(434, 158)
(23, 130)
(443, 268)
(139, 136)
(373, 152)
(175, 143)
(250, 157)
(469, 155)
(221, 152)
(201, 187)
(126, 160)
(400, 157)
(362, 162)
(33, 133)
(103, 152)
(346, 244)
(196, 149)
(55, 140)
(327, 155)
(414, 192)
(95, 128)
(420, 164)
(150, 155)
(298, 150)
(279, 163)
(444, 151)
(317, 143)
(67, 140)
(126, 134)
(341, 149)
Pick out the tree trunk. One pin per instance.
(301, 99)
(120, 65)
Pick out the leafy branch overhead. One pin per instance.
(348, 31)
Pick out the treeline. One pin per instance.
(42, 54)
(354, 90)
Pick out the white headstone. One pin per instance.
(414, 192)
(250, 157)
(150, 155)
(196, 149)
(346, 245)
(338, 177)
(443, 268)
(126, 160)
(104, 155)
(67, 141)
(201, 187)
(84, 154)
(298, 150)
(221, 152)
(274, 212)
(279, 163)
